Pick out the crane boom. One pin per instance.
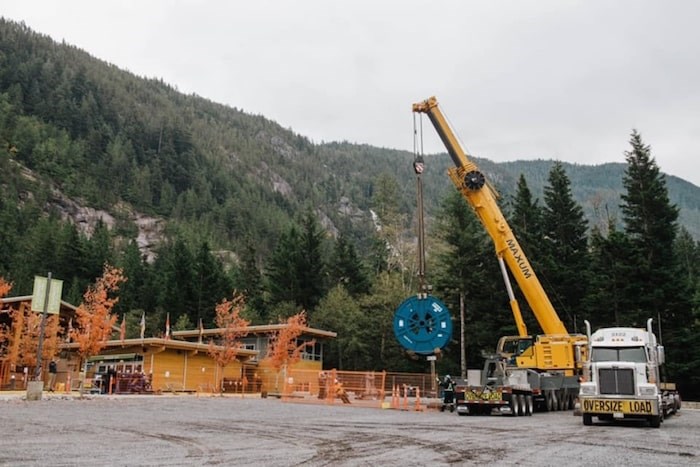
(472, 184)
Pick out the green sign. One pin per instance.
(39, 295)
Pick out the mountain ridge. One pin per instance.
(108, 138)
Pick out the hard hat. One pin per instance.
(447, 377)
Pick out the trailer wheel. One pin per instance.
(529, 403)
(587, 419)
(561, 399)
(655, 421)
(549, 405)
(514, 405)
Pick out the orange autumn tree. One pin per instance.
(283, 349)
(94, 319)
(233, 327)
(5, 331)
(29, 338)
(5, 287)
(21, 338)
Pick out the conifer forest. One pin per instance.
(237, 203)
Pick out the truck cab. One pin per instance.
(622, 377)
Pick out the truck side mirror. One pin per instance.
(661, 354)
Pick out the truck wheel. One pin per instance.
(587, 419)
(529, 404)
(514, 405)
(522, 405)
(655, 421)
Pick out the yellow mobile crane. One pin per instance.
(552, 361)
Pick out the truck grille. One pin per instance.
(616, 381)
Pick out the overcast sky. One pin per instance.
(518, 79)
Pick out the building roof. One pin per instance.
(162, 344)
(258, 329)
(28, 298)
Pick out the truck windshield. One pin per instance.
(618, 354)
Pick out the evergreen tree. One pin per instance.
(390, 225)
(249, 280)
(37, 254)
(135, 270)
(311, 268)
(340, 312)
(650, 223)
(466, 264)
(565, 248)
(282, 280)
(607, 302)
(211, 285)
(174, 269)
(687, 252)
(346, 269)
(526, 220)
(9, 223)
(378, 307)
(656, 291)
(97, 252)
(69, 244)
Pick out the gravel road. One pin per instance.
(189, 430)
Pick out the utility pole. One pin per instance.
(42, 329)
(462, 344)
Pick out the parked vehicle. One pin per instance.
(623, 377)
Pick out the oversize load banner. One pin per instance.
(485, 396)
(630, 407)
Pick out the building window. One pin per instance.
(310, 352)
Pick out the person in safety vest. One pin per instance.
(448, 390)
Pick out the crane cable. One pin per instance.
(418, 168)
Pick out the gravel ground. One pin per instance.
(190, 430)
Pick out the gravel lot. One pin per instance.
(190, 430)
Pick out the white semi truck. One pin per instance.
(622, 377)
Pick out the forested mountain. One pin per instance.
(235, 201)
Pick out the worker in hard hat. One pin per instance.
(448, 391)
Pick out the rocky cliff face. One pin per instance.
(150, 229)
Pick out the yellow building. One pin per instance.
(179, 363)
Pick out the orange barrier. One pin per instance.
(407, 391)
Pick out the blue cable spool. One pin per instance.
(423, 325)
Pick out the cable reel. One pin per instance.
(423, 325)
